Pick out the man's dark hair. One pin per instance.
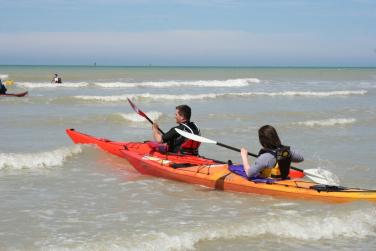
(184, 111)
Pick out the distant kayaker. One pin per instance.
(273, 160)
(175, 142)
(56, 79)
(3, 89)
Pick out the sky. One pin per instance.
(189, 32)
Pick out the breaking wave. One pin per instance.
(241, 82)
(54, 158)
(354, 225)
(150, 96)
(311, 93)
(52, 85)
(327, 122)
(136, 118)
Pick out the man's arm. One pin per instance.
(156, 133)
(170, 135)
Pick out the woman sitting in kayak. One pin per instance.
(273, 160)
(175, 142)
(3, 89)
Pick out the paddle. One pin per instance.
(313, 174)
(142, 114)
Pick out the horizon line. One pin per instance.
(191, 66)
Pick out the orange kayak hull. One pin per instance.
(215, 175)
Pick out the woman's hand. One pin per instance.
(246, 166)
(244, 152)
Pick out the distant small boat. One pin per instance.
(21, 94)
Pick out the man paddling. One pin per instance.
(3, 89)
(175, 142)
(56, 79)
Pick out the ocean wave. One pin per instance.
(327, 122)
(357, 224)
(54, 158)
(315, 94)
(136, 118)
(3, 76)
(241, 82)
(120, 98)
(52, 85)
(354, 225)
(150, 96)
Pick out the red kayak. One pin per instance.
(21, 94)
(140, 149)
(215, 174)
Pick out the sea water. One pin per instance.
(55, 195)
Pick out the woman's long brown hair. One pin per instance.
(268, 137)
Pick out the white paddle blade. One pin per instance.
(322, 176)
(194, 137)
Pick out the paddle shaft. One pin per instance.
(251, 154)
(141, 113)
(151, 122)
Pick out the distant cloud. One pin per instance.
(185, 47)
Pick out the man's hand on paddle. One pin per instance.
(156, 134)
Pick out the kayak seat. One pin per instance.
(239, 170)
(155, 146)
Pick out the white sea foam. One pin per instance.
(52, 85)
(357, 224)
(147, 96)
(116, 85)
(330, 177)
(327, 122)
(133, 117)
(15, 161)
(354, 225)
(241, 82)
(120, 98)
(315, 94)
(3, 76)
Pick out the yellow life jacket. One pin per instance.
(8, 82)
(283, 161)
(271, 172)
